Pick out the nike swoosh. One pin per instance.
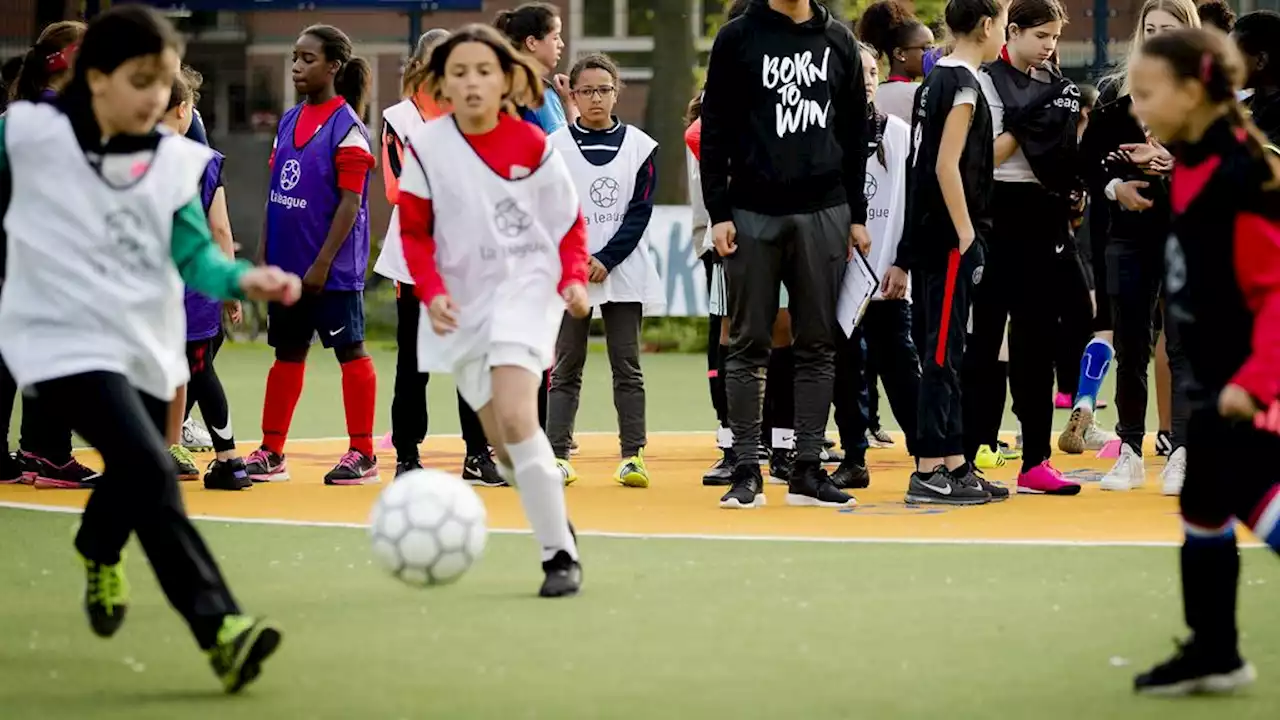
(335, 332)
(944, 489)
(1058, 249)
(222, 432)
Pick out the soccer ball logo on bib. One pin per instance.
(604, 192)
(125, 231)
(289, 174)
(509, 219)
(869, 187)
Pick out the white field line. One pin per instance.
(685, 536)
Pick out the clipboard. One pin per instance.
(860, 285)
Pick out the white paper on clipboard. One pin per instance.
(860, 284)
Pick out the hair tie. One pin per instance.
(57, 62)
(1206, 67)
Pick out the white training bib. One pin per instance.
(497, 249)
(605, 192)
(403, 117)
(90, 283)
(886, 192)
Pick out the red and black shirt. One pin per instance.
(1223, 265)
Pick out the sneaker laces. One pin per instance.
(182, 455)
(1177, 463)
(106, 584)
(261, 455)
(351, 459)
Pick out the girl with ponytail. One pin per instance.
(1222, 285)
(317, 226)
(46, 68)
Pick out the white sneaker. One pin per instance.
(1095, 437)
(195, 437)
(1175, 471)
(1128, 473)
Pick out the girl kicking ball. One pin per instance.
(91, 317)
(495, 242)
(1222, 284)
(611, 164)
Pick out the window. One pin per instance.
(597, 18)
(639, 18)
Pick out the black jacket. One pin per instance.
(1264, 106)
(1111, 125)
(783, 114)
(1043, 117)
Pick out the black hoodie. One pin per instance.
(783, 115)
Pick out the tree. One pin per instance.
(669, 93)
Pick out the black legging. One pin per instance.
(205, 388)
(43, 434)
(409, 417)
(138, 493)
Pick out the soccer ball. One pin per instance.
(428, 527)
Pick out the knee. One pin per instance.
(292, 354)
(350, 353)
(516, 420)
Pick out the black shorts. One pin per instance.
(200, 353)
(337, 316)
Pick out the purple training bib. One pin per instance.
(204, 314)
(304, 197)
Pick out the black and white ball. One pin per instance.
(428, 527)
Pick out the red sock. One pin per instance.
(284, 387)
(359, 396)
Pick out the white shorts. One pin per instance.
(718, 303)
(474, 378)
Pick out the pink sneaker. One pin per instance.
(1044, 479)
(1062, 401)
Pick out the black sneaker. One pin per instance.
(851, 475)
(481, 470)
(781, 466)
(970, 476)
(106, 596)
(10, 469)
(1193, 669)
(811, 487)
(243, 644)
(564, 576)
(404, 466)
(747, 491)
(227, 475)
(763, 452)
(355, 468)
(828, 443)
(1164, 443)
(940, 488)
(722, 472)
(830, 456)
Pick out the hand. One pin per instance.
(894, 285)
(235, 313)
(271, 284)
(1236, 402)
(443, 314)
(966, 241)
(725, 235)
(596, 271)
(560, 82)
(575, 300)
(317, 275)
(859, 238)
(1130, 199)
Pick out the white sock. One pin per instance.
(724, 438)
(784, 439)
(505, 471)
(542, 492)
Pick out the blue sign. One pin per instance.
(245, 5)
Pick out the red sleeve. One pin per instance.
(1257, 258)
(573, 255)
(353, 166)
(416, 224)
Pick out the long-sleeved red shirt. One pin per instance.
(1223, 264)
(512, 148)
(353, 158)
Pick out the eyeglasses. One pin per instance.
(602, 92)
(921, 48)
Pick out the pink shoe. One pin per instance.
(1044, 479)
(1062, 401)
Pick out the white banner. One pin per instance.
(671, 243)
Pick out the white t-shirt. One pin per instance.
(886, 193)
(896, 98)
(1015, 168)
(964, 96)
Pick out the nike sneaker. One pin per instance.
(71, 475)
(194, 437)
(1129, 472)
(1045, 479)
(747, 491)
(763, 453)
(186, 462)
(1194, 669)
(631, 472)
(563, 576)
(266, 466)
(942, 488)
(851, 475)
(353, 468)
(481, 470)
(242, 645)
(227, 475)
(722, 472)
(404, 466)
(971, 477)
(106, 596)
(781, 465)
(878, 438)
(830, 456)
(1164, 443)
(1174, 473)
(567, 472)
(811, 487)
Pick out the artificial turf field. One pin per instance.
(1035, 608)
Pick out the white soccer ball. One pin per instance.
(428, 527)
